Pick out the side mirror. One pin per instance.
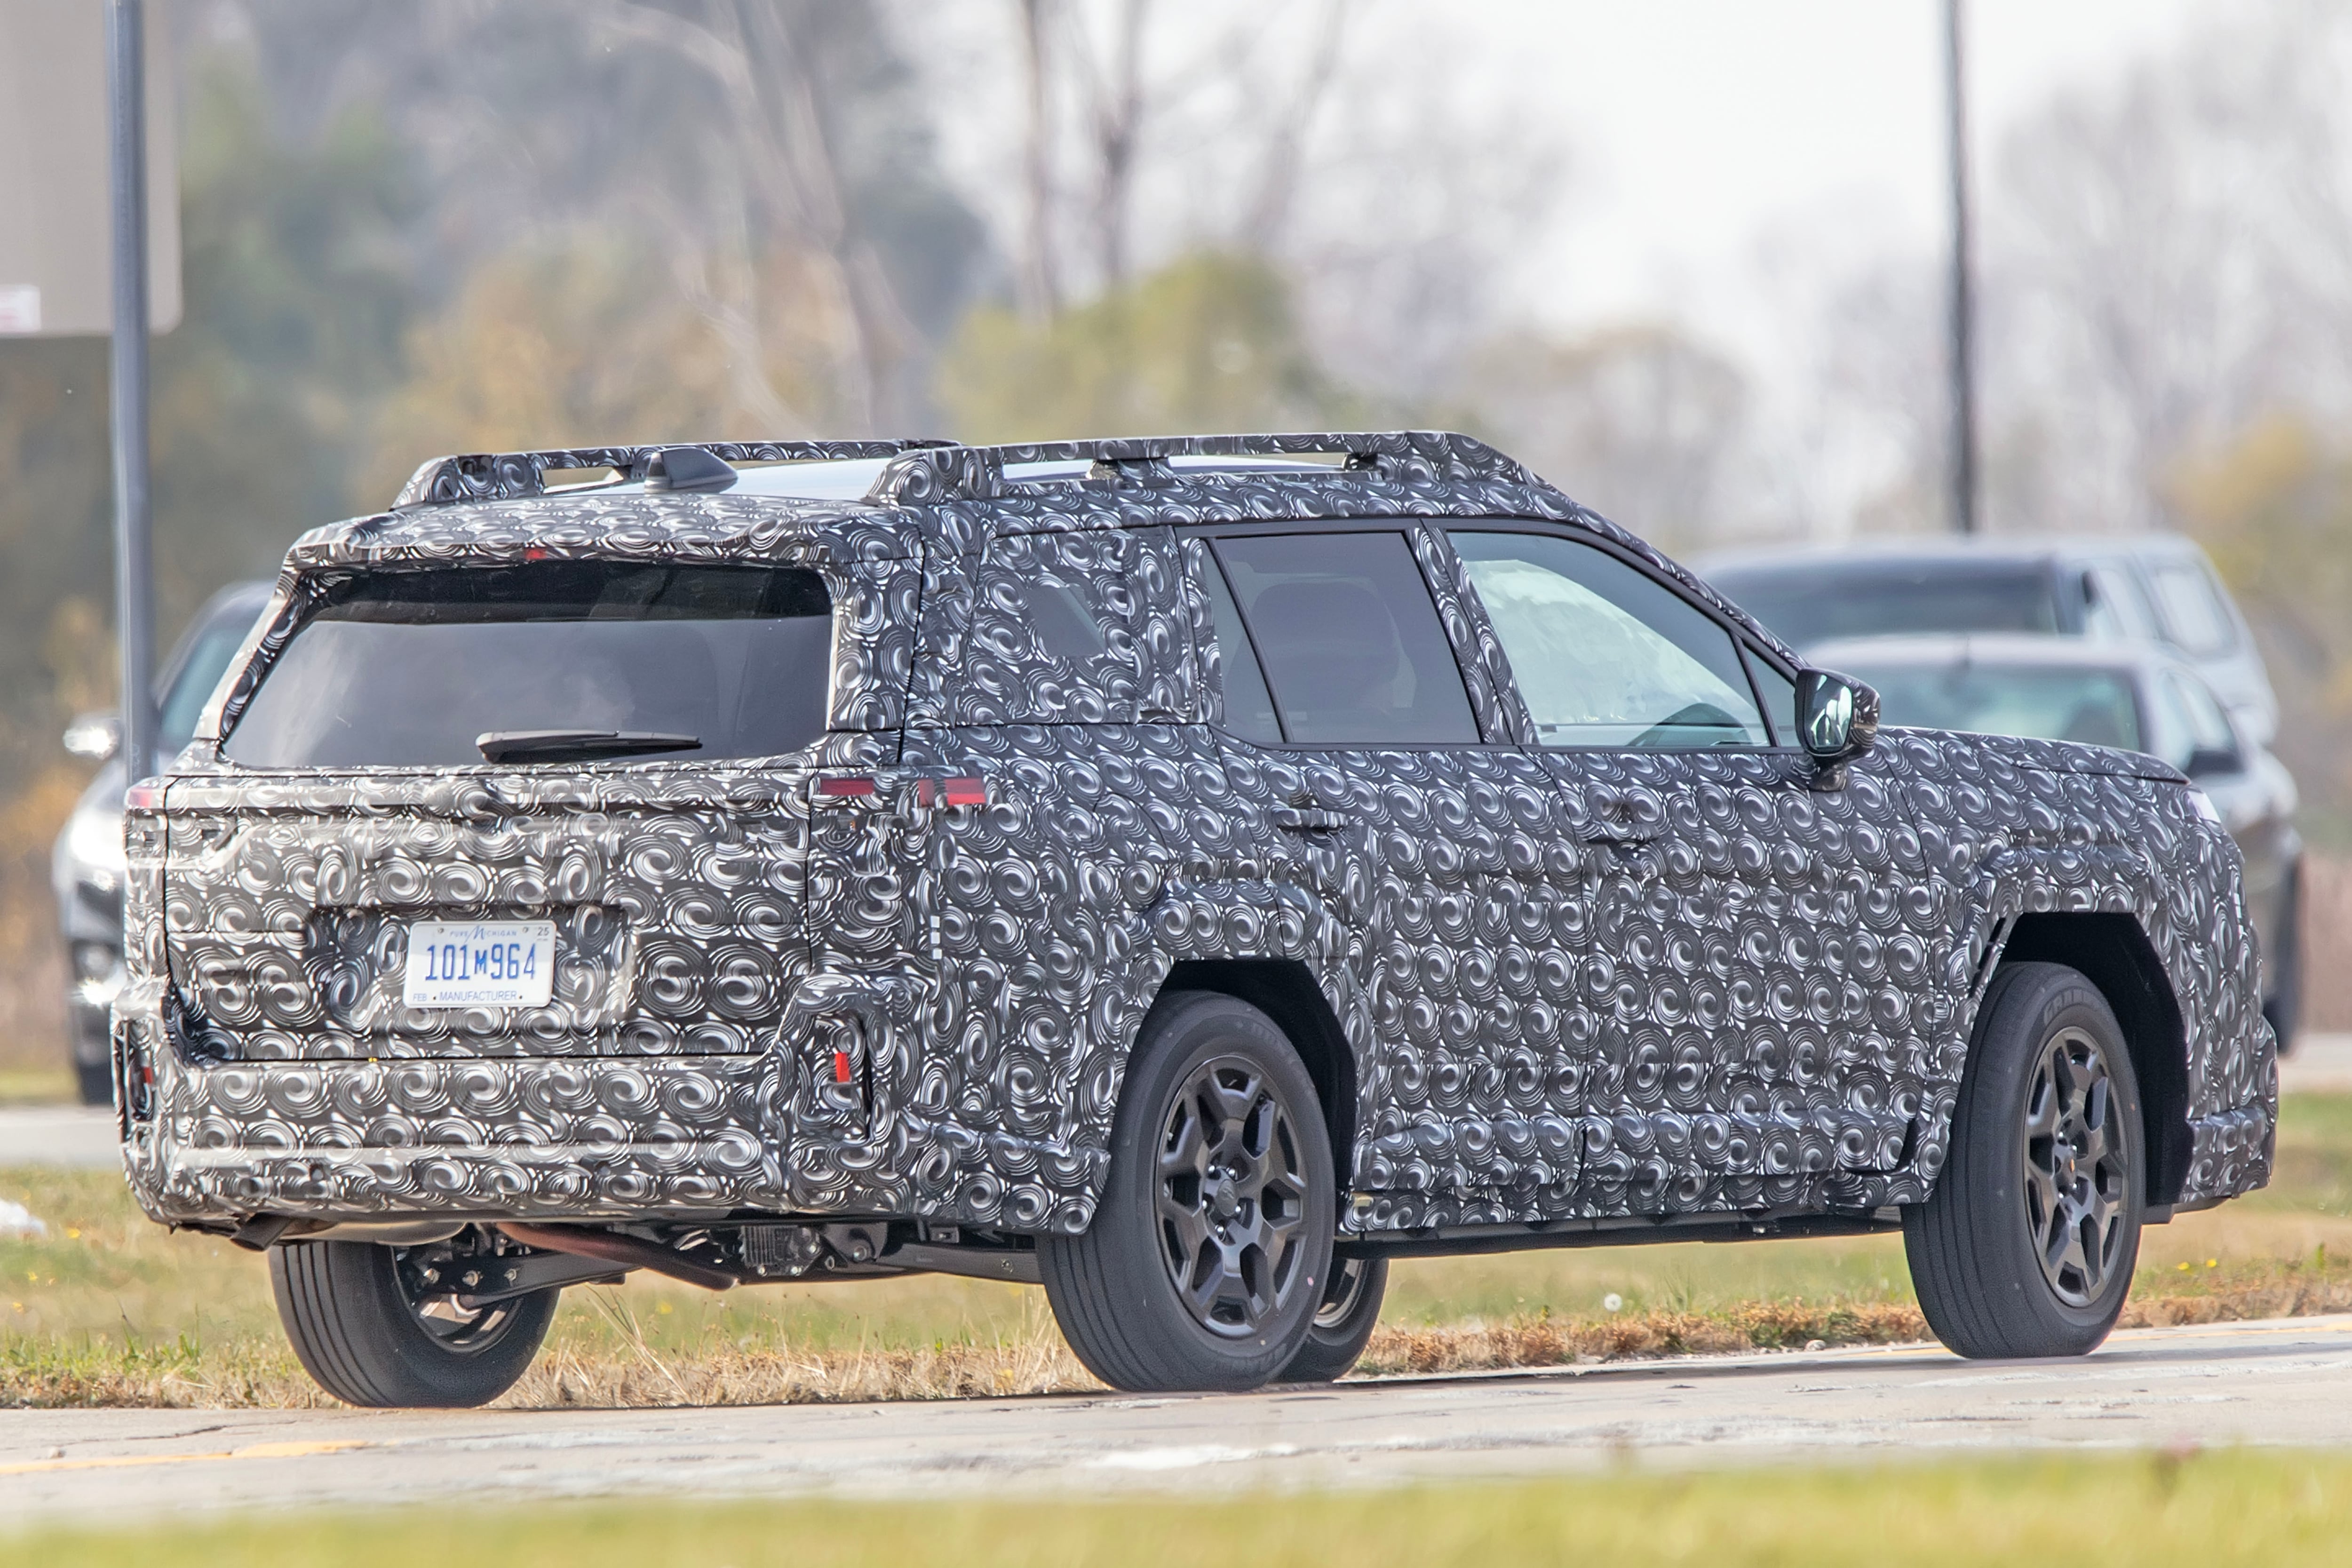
(94, 737)
(2205, 762)
(1837, 720)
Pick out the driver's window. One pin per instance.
(1604, 654)
(2197, 717)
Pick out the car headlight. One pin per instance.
(94, 839)
(2204, 805)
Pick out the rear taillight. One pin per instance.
(146, 797)
(846, 788)
(932, 793)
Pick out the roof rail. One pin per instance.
(971, 473)
(505, 476)
(931, 470)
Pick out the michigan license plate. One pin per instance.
(493, 963)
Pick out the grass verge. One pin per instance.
(2153, 1511)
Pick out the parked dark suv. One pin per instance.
(1188, 873)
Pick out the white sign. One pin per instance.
(480, 963)
(20, 308)
(56, 213)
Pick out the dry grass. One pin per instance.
(109, 1309)
(623, 1367)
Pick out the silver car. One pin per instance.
(86, 866)
(2136, 697)
(2152, 587)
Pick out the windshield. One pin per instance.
(208, 658)
(2038, 702)
(414, 669)
(1818, 600)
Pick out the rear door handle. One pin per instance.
(1622, 837)
(1307, 819)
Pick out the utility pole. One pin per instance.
(134, 589)
(1962, 348)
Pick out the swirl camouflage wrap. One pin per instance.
(899, 973)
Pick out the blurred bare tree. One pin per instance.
(1637, 422)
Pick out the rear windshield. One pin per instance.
(2039, 704)
(1816, 601)
(410, 668)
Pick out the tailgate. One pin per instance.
(676, 893)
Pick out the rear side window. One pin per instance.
(1249, 706)
(1349, 639)
(406, 668)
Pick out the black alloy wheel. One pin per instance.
(1211, 1248)
(2027, 1244)
(2075, 1181)
(1232, 1197)
(383, 1326)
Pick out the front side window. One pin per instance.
(1605, 654)
(411, 669)
(2195, 619)
(1350, 640)
(2195, 719)
(2114, 606)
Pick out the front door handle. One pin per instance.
(1308, 819)
(1622, 837)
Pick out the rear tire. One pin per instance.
(2028, 1244)
(1343, 1323)
(1211, 1248)
(370, 1340)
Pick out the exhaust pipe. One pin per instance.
(613, 1247)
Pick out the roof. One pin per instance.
(2005, 649)
(1946, 548)
(513, 506)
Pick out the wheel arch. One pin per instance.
(1284, 989)
(2113, 952)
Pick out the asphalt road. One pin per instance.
(2285, 1383)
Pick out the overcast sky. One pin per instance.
(1697, 127)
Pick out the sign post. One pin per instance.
(134, 582)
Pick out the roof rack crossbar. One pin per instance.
(507, 475)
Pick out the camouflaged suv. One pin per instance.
(1186, 873)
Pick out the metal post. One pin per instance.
(1963, 323)
(134, 588)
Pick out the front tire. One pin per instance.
(370, 1336)
(2028, 1244)
(1210, 1250)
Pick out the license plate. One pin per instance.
(497, 963)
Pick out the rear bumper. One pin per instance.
(580, 1138)
(512, 1137)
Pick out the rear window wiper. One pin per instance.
(577, 745)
